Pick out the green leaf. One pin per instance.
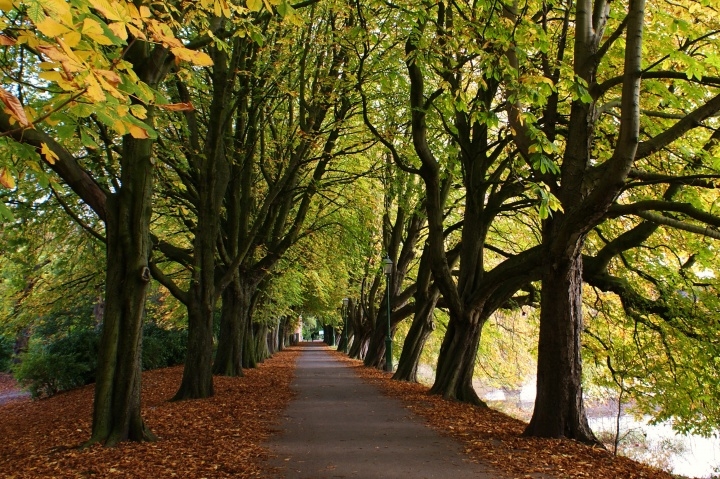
(87, 140)
(6, 213)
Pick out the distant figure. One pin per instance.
(313, 336)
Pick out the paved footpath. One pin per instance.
(341, 427)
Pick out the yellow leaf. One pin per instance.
(119, 30)
(254, 5)
(161, 33)
(14, 107)
(145, 12)
(72, 38)
(94, 90)
(107, 10)
(196, 58)
(222, 9)
(51, 75)
(6, 178)
(92, 29)
(59, 10)
(120, 127)
(136, 32)
(137, 132)
(6, 5)
(108, 87)
(51, 28)
(110, 76)
(48, 154)
(138, 111)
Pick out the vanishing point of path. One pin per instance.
(341, 427)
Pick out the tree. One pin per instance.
(100, 77)
(589, 180)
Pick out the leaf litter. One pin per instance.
(216, 437)
(491, 437)
(223, 436)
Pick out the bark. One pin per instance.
(234, 318)
(261, 342)
(420, 330)
(359, 332)
(456, 362)
(212, 170)
(426, 298)
(116, 407)
(375, 351)
(559, 408)
(197, 377)
(248, 350)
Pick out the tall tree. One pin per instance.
(591, 177)
(101, 78)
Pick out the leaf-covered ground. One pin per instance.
(492, 437)
(223, 436)
(212, 438)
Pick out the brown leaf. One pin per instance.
(15, 107)
(6, 41)
(177, 107)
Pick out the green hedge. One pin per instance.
(59, 364)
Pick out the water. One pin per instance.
(657, 445)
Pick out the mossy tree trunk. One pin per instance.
(116, 407)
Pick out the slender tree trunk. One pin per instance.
(261, 346)
(282, 333)
(456, 363)
(116, 409)
(559, 409)
(250, 359)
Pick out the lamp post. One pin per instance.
(387, 269)
(346, 301)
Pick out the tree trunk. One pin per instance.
(282, 333)
(197, 375)
(116, 408)
(456, 363)
(559, 410)
(261, 347)
(234, 320)
(420, 330)
(375, 356)
(248, 350)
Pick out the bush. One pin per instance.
(6, 353)
(69, 361)
(162, 347)
(66, 363)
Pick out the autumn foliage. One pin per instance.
(493, 438)
(223, 436)
(212, 438)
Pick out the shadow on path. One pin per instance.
(341, 427)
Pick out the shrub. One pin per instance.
(6, 352)
(162, 347)
(68, 361)
(65, 363)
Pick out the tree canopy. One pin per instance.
(239, 165)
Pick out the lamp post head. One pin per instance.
(346, 301)
(387, 265)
